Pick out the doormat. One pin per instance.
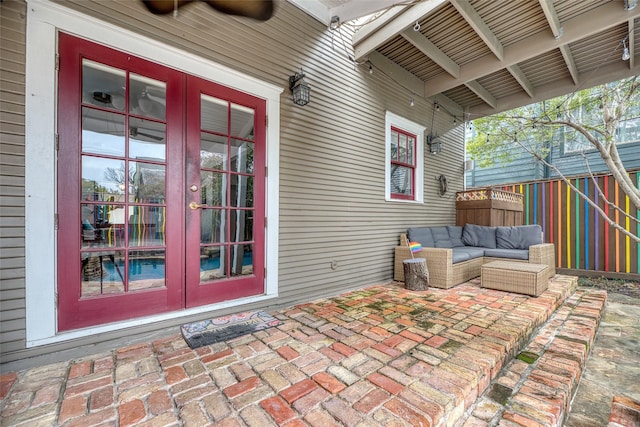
(224, 328)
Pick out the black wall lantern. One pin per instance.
(434, 143)
(300, 89)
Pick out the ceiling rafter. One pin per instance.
(363, 45)
(552, 17)
(425, 46)
(594, 21)
(522, 79)
(482, 93)
(476, 22)
(571, 64)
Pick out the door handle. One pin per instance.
(194, 206)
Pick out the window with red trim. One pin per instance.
(402, 180)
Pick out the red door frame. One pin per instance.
(182, 243)
(241, 286)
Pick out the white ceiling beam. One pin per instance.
(476, 22)
(606, 74)
(552, 17)
(410, 81)
(571, 64)
(521, 78)
(431, 50)
(357, 9)
(396, 72)
(482, 93)
(363, 45)
(584, 25)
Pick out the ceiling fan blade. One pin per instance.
(261, 10)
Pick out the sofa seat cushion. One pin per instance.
(459, 255)
(518, 237)
(422, 235)
(507, 253)
(479, 236)
(472, 251)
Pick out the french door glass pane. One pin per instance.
(146, 269)
(147, 97)
(241, 121)
(103, 179)
(102, 273)
(97, 231)
(241, 260)
(242, 191)
(211, 265)
(212, 225)
(102, 132)
(214, 114)
(103, 85)
(213, 186)
(241, 225)
(146, 226)
(213, 151)
(241, 156)
(147, 183)
(147, 140)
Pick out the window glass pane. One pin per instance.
(241, 225)
(102, 273)
(241, 121)
(411, 143)
(102, 132)
(401, 180)
(96, 231)
(211, 264)
(103, 85)
(102, 179)
(394, 145)
(146, 269)
(214, 114)
(241, 156)
(147, 140)
(147, 183)
(241, 260)
(213, 187)
(402, 150)
(241, 191)
(147, 97)
(213, 151)
(146, 226)
(212, 223)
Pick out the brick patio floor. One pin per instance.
(380, 356)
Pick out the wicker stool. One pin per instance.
(519, 277)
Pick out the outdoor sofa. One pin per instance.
(455, 254)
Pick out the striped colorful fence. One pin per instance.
(583, 239)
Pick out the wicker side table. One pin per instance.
(519, 277)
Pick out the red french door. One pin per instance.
(160, 188)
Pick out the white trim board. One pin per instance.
(44, 20)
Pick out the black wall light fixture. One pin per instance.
(300, 89)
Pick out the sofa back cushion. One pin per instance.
(441, 237)
(518, 237)
(479, 236)
(422, 235)
(455, 234)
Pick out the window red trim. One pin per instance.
(408, 163)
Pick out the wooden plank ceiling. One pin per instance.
(487, 56)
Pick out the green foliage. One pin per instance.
(584, 118)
